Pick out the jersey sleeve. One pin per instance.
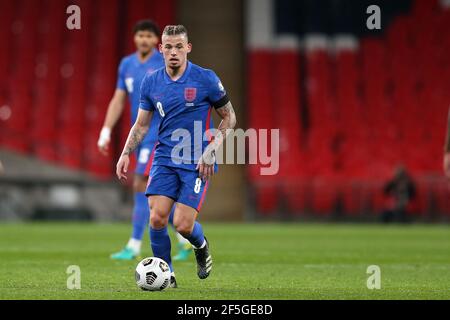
(121, 76)
(216, 92)
(145, 102)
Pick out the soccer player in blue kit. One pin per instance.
(132, 70)
(182, 94)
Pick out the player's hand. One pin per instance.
(205, 164)
(447, 164)
(103, 140)
(122, 167)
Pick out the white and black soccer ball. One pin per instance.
(152, 274)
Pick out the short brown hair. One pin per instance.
(146, 25)
(173, 30)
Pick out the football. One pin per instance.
(152, 274)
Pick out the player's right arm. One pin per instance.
(447, 149)
(139, 129)
(115, 109)
(135, 137)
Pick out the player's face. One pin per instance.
(145, 41)
(175, 50)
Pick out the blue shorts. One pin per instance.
(183, 186)
(144, 158)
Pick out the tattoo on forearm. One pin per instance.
(228, 122)
(229, 119)
(135, 137)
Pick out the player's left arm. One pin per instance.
(206, 163)
(228, 122)
(447, 149)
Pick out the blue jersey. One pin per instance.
(184, 106)
(131, 73)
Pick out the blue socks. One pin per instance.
(160, 241)
(141, 215)
(196, 238)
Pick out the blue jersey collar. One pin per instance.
(182, 78)
(152, 57)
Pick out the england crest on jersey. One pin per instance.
(190, 94)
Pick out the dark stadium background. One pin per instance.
(351, 104)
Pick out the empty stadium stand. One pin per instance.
(351, 104)
(57, 82)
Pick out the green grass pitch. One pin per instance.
(251, 261)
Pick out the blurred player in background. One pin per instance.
(447, 149)
(182, 94)
(400, 191)
(132, 70)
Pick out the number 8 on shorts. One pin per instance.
(198, 185)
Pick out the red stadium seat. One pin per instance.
(324, 197)
(262, 116)
(6, 21)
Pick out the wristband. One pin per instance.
(104, 138)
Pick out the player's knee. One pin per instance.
(157, 220)
(139, 183)
(184, 230)
(183, 227)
